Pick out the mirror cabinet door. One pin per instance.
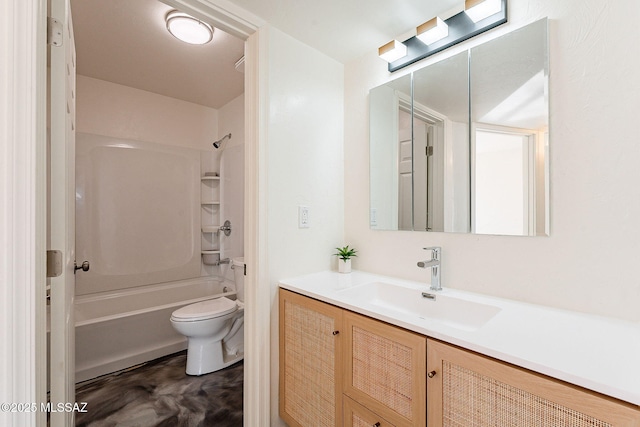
(441, 146)
(510, 133)
(390, 156)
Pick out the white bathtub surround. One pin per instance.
(116, 330)
(125, 113)
(594, 352)
(232, 171)
(138, 213)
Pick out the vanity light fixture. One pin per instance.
(432, 31)
(477, 10)
(439, 34)
(392, 51)
(187, 28)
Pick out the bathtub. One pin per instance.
(119, 329)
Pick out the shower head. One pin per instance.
(219, 142)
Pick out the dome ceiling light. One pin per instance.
(188, 29)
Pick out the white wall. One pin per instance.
(304, 167)
(590, 261)
(110, 109)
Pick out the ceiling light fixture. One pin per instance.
(392, 51)
(477, 10)
(187, 28)
(432, 31)
(438, 34)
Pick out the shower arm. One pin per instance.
(218, 143)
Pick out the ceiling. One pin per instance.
(126, 42)
(347, 29)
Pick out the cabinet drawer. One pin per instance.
(356, 415)
(385, 369)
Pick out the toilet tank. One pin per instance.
(238, 273)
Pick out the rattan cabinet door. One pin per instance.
(310, 360)
(385, 369)
(469, 390)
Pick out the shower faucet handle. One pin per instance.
(226, 228)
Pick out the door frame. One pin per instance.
(23, 86)
(23, 181)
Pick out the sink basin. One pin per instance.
(450, 311)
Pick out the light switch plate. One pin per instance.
(303, 216)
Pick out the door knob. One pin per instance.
(431, 374)
(83, 267)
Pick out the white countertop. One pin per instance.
(597, 353)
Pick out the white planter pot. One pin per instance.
(344, 266)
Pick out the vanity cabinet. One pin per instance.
(326, 351)
(339, 368)
(310, 361)
(468, 389)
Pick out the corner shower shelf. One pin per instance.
(210, 252)
(210, 228)
(210, 202)
(210, 178)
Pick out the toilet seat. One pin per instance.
(204, 310)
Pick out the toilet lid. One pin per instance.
(208, 309)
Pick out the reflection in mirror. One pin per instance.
(390, 145)
(509, 134)
(427, 175)
(441, 146)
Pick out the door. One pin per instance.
(384, 369)
(310, 361)
(469, 389)
(61, 366)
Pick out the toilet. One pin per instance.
(214, 329)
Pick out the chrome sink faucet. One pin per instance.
(434, 263)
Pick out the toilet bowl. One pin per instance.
(214, 329)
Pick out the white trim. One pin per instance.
(257, 395)
(22, 214)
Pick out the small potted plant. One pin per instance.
(345, 254)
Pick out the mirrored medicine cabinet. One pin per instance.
(462, 145)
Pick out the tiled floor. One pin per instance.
(159, 393)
